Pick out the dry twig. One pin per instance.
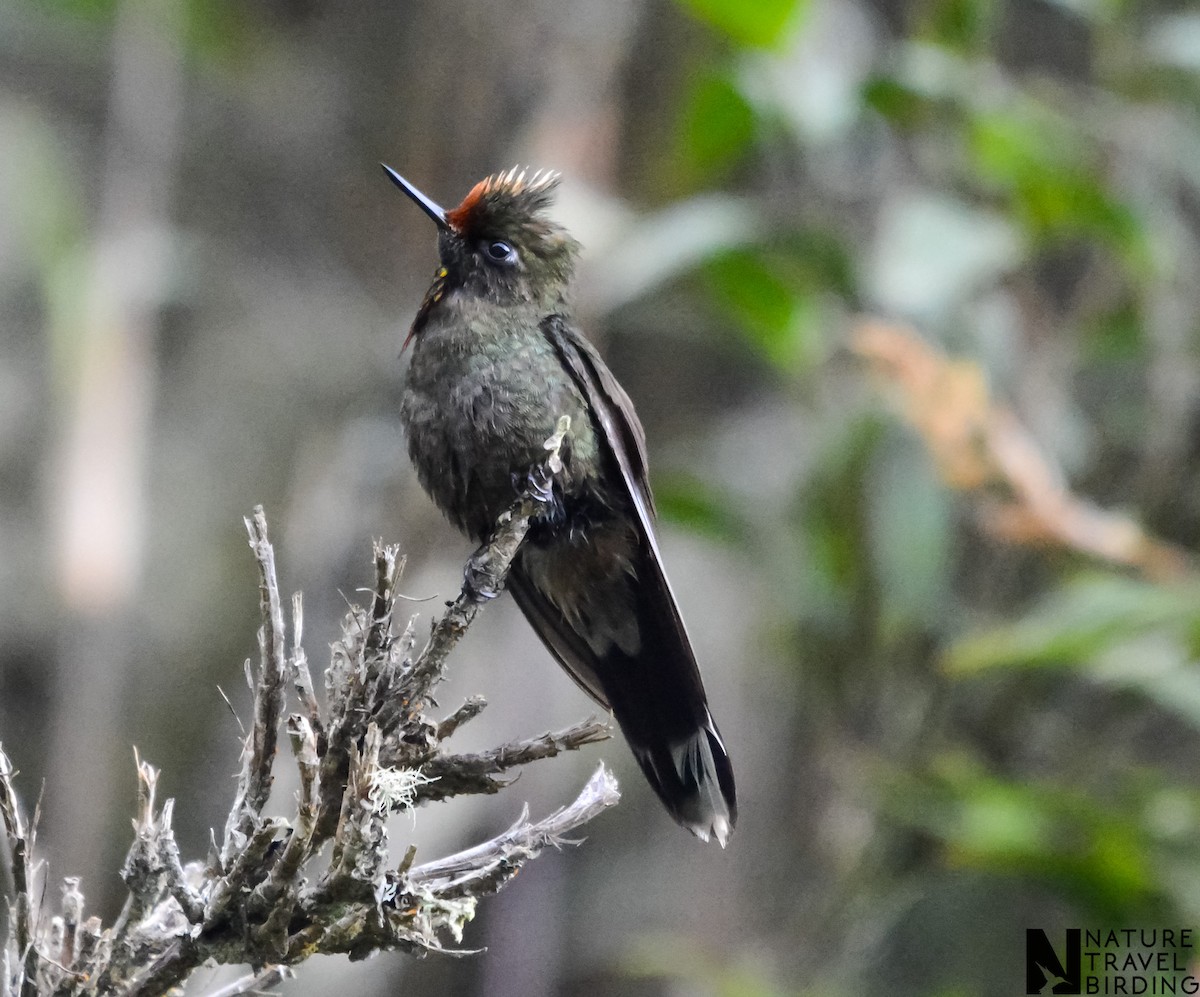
(264, 896)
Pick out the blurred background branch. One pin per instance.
(980, 448)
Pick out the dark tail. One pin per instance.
(623, 641)
(659, 700)
(677, 745)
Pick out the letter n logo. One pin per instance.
(1042, 964)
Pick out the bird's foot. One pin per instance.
(541, 483)
(538, 484)
(479, 581)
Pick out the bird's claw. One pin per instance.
(540, 482)
(478, 582)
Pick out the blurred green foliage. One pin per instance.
(758, 24)
(1032, 713)
(716, 127)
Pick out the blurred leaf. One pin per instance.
(775, 294)
(716, 128)
(997, 821)
(1074, 624)
(775, 315)
(1013, 148)
(1099, 851)
(812, 85)
(694, 504)
(1125, 633)
(819, 260)
(1041, 161)
(761, 24)
(1159, 666)
(899, 104)
(960, 24)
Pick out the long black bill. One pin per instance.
(431, 208)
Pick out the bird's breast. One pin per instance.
(484, 393)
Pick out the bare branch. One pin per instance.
(486, 867)
(258, 751)
(19, 852)
(464, 714)
(452, 775)
(298, 667)
(271, 895)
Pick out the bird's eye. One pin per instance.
(499, 251)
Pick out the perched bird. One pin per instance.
(497, 359)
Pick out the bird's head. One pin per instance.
(497, 243)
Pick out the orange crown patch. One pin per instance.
(525, 193)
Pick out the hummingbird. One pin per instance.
(497, 359)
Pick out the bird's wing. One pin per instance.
(613, 408)
(656, 691)
(625, 438)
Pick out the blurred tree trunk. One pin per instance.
(108, 372)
